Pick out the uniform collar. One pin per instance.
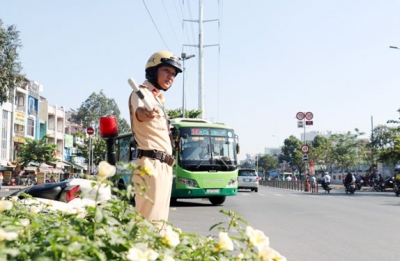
(156, 92)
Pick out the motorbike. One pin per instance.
(350, 187)
(326, 187)
(396, 187)
(389, 182)
(379, 185)
(359, 184)
(66, 195)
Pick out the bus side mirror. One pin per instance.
(238, 148)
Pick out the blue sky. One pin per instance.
(275, 58)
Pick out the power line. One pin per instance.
(155, 24)
(169, 20)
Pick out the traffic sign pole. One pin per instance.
(90, 132)
(305, 118)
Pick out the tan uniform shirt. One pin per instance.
(152, 135)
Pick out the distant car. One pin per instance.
(248, 179)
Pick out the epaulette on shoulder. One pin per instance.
(143, 86)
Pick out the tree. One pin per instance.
(267, 162)
(385, 142)
(99, 148)
(10, 67)
(347, 149)
(94, 107)
(321, 151)
(39, 151)
(177, 113)
(291, 153)
(88, 114)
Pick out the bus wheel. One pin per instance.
(217, 200)
(173, 201)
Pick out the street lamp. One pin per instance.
(184, 57)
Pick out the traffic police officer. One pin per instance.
(152, 134)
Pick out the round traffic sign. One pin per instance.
(90, 130)
(300, 115)
(309, 115)
(305, 148)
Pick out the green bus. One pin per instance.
(206, 164)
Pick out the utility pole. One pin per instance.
(201, 56)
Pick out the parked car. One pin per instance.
(248, 179)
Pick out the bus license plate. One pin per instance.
(212, 191)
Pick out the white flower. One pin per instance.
(224, 243)
(136, 254)
(24, 222)
(106, 170)
(256, 237)
(34, 210)
(68, 210)
(171, 237)
(168, 258)
(269, 254)
(9, 236)
(14, 199)
(146, 169)
(5, 205)
(80, 212)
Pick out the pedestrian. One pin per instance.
(307, 185)
(1, 179)
(313, 181)
(151, 131)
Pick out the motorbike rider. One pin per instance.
(359, 181)
(358, 178)
(326, 181)
(349, 178)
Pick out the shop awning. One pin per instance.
(30, 168)
(61, 164)
(76, 166)
(43, 165)
(51, 170)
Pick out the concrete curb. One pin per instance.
(12, 188)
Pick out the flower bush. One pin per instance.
(113, 230)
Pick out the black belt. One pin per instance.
(155, 154)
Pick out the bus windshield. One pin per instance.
(207, 149)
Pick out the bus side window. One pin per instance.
(124, 151)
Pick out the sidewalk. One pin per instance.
(11, 188)
(341, 186)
